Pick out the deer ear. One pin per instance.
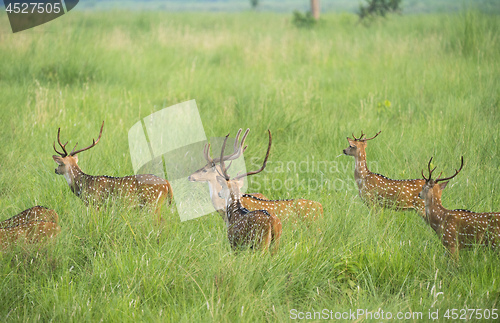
(442, 186)
(58, 160)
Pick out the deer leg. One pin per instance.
(266, 239)
(158, 206)
(276, 236)
(453, 249)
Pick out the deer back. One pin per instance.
(286, 210)
(390, 193)
(137, 190)
(472, 228)
(253, 229)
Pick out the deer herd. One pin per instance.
(252, 220)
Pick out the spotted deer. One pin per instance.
(284, 209)
(378, 189)
(31, 226)
(138, 190)
(208, 174)
(459, 228)
(255, 229)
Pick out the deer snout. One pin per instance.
(190, 178)
(345, 151)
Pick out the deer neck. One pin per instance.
(360, 168)
(217, 202)
(76, 179)
(435, 213)
(234, 208)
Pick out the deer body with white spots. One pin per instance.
(291, 209)
(376, 189)
(255, 229)
(457, 229)
(137, 190)
(30, 226)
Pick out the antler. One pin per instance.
(223, 164)
(206, 153)
(363, 134)
(62, 146)
(430, 171)
(456, 173)
(360, 137)
(366, 139)
(94, 142)
(265, 160)
(237, 150)
(438, 179)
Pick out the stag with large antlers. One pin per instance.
(255, 229)
(31, 226)
(457, 228)
(378, 189)
(292, 209)
(208, 173)
(138, 190)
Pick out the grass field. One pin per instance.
(429, 82)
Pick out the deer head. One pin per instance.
(357, 144)
(68, 162)
(433, 188)
(231, 187)
(210, 171)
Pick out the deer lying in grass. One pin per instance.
(255, 229)
(378, 189)
(457, 228)
(138, 190)
(33, 225)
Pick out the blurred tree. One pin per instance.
(315, 9)
(303, 20)
(378, 8)
(254, 3)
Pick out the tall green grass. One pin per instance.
(430, 83)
